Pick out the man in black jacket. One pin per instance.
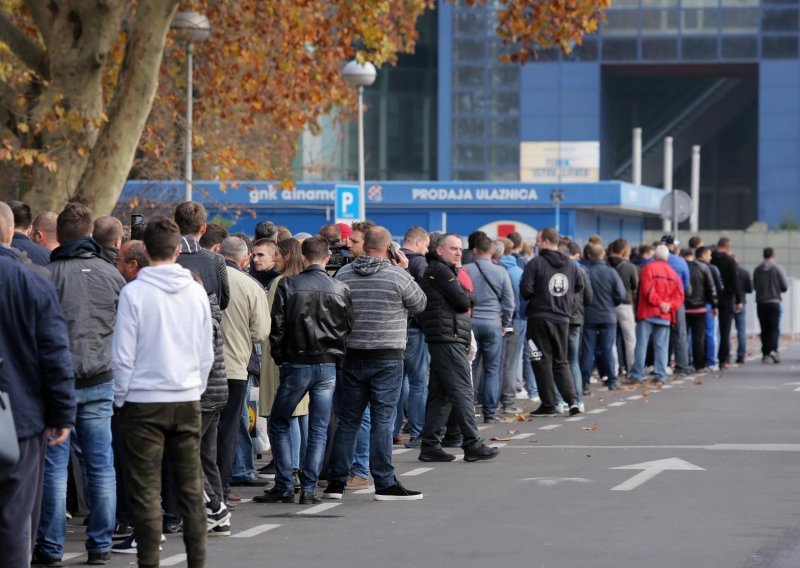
(447, 327)
(769, 282)
(190, 217)
(701, 298)
(549, 283)
(619, 253)
(731, 300)
(311, 319)
(23, 224)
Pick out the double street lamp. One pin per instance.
(360, 76)
(192, 27)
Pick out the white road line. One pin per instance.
(484, 426)
(550, 427)
(366, 491)
(317, 509)
(620, 403)
(71, 555)
(678, 382)
(174, 560)
(575, 419)
(254, 531)
(635, 397)
(523, 436)
(415, 472)
(399, 451)
(498, 445)
(598, 411)
(246, 500)
(663, 387)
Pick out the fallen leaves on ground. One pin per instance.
(592, 428)
(697, 382)
(499, 439)
(512, 432)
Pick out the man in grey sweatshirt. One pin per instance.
(769, 283)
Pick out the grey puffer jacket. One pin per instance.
(215, 396)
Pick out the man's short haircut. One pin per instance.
(473, 236)
(233, 248)
(266, 230)
(515, 238)
(483, 244)
(214, 235)
(107, 230)
(508, 244)
(363, 226)
(549, 234)
(74, 222)
(662, 252)
(247, 240)
(700, 251)
(23, 217)
(723, 242)
(190, 216)
(283, 233)
(596, 240)
(137, 251)
(315, 249)
(6, 219)
(269, 243)
(162, 237)
(377, 238)
(618, 246)
(414, 234)
(498, 249)
(595, 251)
(695, 241)
(442, 237)
(769, 252)
(573, 248)
(687, 253)
(330, 232)
(46, 223)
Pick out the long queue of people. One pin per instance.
(137, 353)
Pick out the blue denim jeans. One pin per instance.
(319, 381)
(244, 466)
(599, 338)
(741, 333)
(362, 382)
(573, 354)
(361, 458)
(298, 431)
(660, 334)
(528, 378)
(490, 352)
(679, 341)
(93, 431)
(712, 334)
(416, 365)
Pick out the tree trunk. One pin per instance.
(112, 155)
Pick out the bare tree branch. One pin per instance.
(23, 47)
(39, 13)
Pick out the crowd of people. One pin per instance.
(136, 349)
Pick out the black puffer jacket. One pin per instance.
(703, 289)
(446, 316)
(215, 396)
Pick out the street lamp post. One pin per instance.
(557, 196)
(192, 27)
(358, 75)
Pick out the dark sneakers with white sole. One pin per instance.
(397, 492)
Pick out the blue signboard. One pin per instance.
(348, 204)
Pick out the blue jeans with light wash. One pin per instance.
(646, 329)
(376, 382)
(573, 354)
(741, 333)
(490, 352)
(298, 430)
(523, 358)
(712, 334)
(416, 365)
(319, 381)
(361, 458)
(93, 431)
(244, 466)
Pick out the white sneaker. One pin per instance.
(562, 407)
(521, 395)
(581, 407)
(535, 399)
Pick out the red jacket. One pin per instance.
(659, 284)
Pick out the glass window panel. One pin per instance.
(779, 20)
(586, 52)
(504, 103)
(470, 102)
(659, 3)
(468, 76)
(467, 49)
(738, 3)
(469, 175)
(659, 49)
(739, 20)
(699, 48)
(497, 48)
(504, 155)
(469, 155)
(617, 4)
(468, 128)
(621, 22)
(699, 3)
(504, 128)
(699, 21)
(469, 22)
(550, 54)
(659, 22)
(739, 47)
(503, 175)
(504, 75)
(781, 2)
(779, 47)
(619, 49)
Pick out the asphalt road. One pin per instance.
(556, 496)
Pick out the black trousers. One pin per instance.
(769, 317)
(550, 361)
(696, 324)
(228, 427)
(726, 312)
(449, 388)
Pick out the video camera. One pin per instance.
(339, 256)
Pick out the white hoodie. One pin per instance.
(163, 347)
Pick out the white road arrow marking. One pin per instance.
(651, 469)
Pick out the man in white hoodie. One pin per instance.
(162, 354)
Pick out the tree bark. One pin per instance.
(113, 153)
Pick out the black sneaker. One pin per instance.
(435, 455)
(172, 527)
(219, 517)
(221, 530)
(41, 560)
(267, 472)
(309, 498)
(413, 443)
(587, 391)
(296, 479)
(99, 558)
(480, 452)
(544, 411)
(397, 493)
(490, 419)
(335, 490)
(775, 357)
(574, 409)
(249, 482)
(122, 530)
(128, 546)
(613, 386)
(275, 495)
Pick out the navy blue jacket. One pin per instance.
(34, 345)
(37, 253)
(608, 292)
